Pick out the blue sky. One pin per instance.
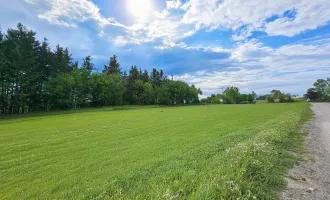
(256, 45)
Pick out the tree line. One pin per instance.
(320, 92)
(276, 96)
(231, 95)
(33, 77)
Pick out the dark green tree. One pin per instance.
(231, 95)
(113, 67)
(322, 87)
(20, 49)
(62, 60)
(87, 64)
(145, 76)
(75, 65)
(33, 77)
(4, 78)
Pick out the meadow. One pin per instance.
(192, 152)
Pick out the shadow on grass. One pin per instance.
(33, 115)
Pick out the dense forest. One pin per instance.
(33, 77)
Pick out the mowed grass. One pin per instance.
(196, 152)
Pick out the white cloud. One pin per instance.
(251, 66)
(167, 44)
(70, 12)
(189, 33)
(252, 15)
(173, 4)
(161, 26)
(242, 17)
(121, 41)
(79, 41)
(161, 15)
(310, 15)
(260, 81)
(251, 50)
(200, 73)
(185, 6)
(291, 68)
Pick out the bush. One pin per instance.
(271, 99)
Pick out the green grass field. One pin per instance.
(195, 152)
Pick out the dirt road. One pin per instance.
(322, 116)
(310, 180)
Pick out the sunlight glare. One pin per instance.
(139, 8)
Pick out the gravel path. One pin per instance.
(310, 180)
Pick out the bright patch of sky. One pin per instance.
(255, 45)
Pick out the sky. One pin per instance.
(256, 45)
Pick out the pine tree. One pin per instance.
(3, 78)
(22, 55)
(145, 76)
(113, 67)
(33, 78)
(62, 60)
(87, 64)
(75, 65)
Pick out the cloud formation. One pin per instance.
(254, 44)
(254, 66)
(239, 16)
(70, 12)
